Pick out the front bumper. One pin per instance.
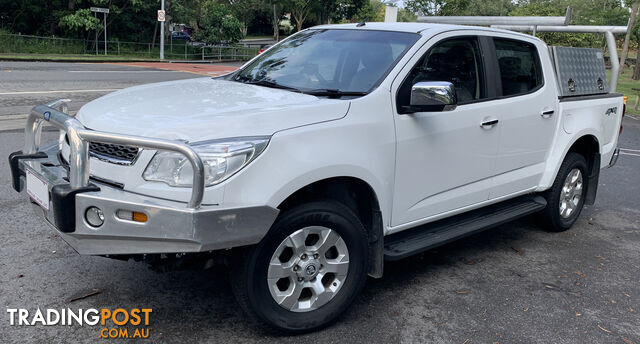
(171, 227)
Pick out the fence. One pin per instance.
(175, 50)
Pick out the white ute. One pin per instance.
(337, 149)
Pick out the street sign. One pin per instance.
(161, 15)
(104, 12)
(99, 9)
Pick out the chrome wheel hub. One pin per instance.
(571, 193)
(308, 269)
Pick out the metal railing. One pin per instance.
(178, 50)
(222, 52)
(79, 138)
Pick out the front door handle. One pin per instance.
(489, 123)
(547, 112)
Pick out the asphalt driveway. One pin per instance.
(513, 284)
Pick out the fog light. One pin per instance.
(94, 216)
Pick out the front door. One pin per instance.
(445, 160)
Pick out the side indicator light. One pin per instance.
(139, 217)
(132, 216)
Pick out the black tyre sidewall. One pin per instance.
(554, 221)
(328, 214)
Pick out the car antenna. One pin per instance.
(361, 24)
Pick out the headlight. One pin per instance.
(221, 159)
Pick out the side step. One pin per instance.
(431, 235)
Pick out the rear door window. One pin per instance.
(520, 69)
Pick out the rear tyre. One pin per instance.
(565, 199)
(306, 271)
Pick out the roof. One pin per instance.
(412, 27)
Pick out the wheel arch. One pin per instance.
(360, 197)
(589, 147)
(587, 144)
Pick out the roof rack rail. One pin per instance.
(567, 28)
(497, 20)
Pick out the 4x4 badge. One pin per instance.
(46, 116)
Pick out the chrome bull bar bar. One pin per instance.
(55, 113)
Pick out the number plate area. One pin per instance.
(37, 189)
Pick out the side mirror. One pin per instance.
(432, 96)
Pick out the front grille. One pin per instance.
(120, 153)
(117, 154)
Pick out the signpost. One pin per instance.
(104, 11)
(161, 19)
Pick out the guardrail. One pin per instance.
(79, 138)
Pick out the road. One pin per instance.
(25, 84)
(512, 284)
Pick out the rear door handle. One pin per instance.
(488, 124)
(546, 113)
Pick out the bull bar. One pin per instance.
(55, 113)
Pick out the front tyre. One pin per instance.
(306, 271)
(566, 197)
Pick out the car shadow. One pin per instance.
(202, 302)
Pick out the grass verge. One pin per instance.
(626, 86)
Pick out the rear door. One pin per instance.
(528, 106)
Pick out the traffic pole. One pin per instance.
(162, 33)
(95, 16)
(105, 33)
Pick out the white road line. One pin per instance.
(623, 153)
(57, 91)
(123, 71)
(633, 118)
(630, 150)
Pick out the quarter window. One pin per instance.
(519, 64)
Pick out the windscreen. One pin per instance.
(339, 60)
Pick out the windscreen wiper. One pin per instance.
(334, 93)
(271, 84)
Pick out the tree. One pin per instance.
(438, 7)
(372, 11)
(81, 20)
(583, 12)
(489, 8)
(275, 20)
(300, 9)
(246, 10)
(217, 25)
(337, 11)
(404, 15)
(131, 20)
(636, 37)
(326, 10)
(625, 46)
